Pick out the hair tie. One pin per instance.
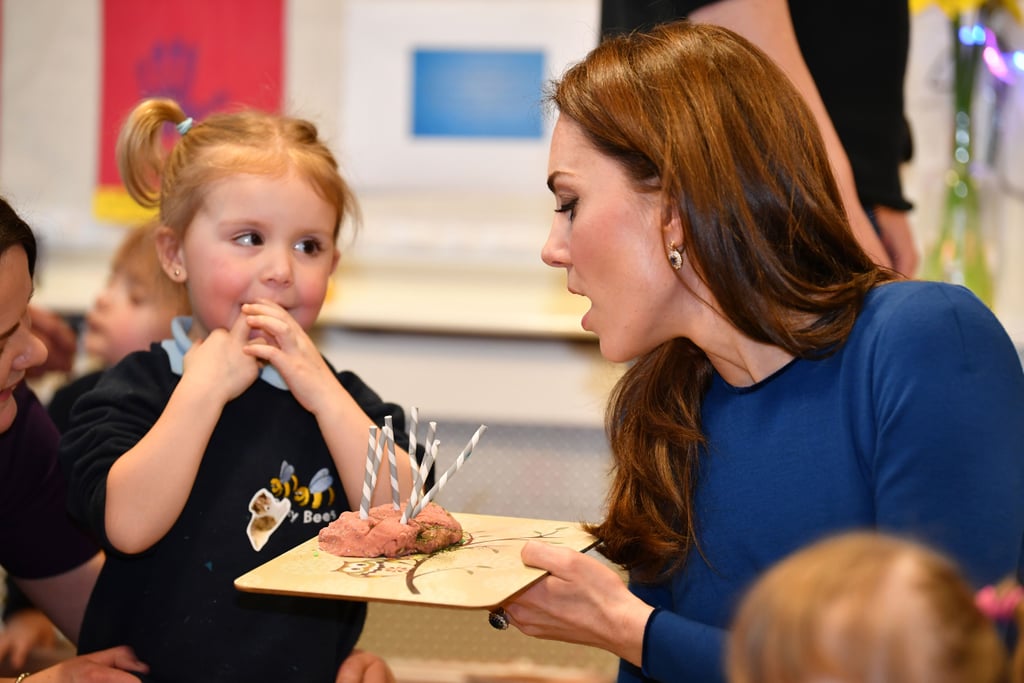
(999, 605)
(185, 126)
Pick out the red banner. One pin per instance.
(207, 55)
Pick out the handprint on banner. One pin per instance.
(169, 70)
(207, 56)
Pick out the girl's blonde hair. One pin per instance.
(177, 179)
(864, 607)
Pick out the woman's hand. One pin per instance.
(580, 601)
(898, 239)
(364, 667)
(105, 666)
(24, 630)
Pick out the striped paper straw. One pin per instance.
(463, 456)
(414, 467)
(370, 480)
(431, 431)
(389, 432)
(429, 455)
(414, 423)
(428, 459)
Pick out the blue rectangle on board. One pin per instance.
(477, 93)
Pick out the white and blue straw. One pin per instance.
(370, 480)
(459, 461)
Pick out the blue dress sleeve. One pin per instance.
(948, 462)
(675, 648)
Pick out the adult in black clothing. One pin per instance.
(53, 561)
(855, 91)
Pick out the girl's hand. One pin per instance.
(24, 630)
(220, 361)
(288, 347)
(580, 601)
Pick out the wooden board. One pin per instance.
(481, 573)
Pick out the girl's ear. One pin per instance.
(170, 251)
(335, 259)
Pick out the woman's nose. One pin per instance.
(32, 351)
(555, 251)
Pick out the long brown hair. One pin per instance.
(701, 116)
(864, 606)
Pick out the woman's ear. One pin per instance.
(169, 250)
(672, 227)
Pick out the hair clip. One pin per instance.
(185, 126)
(999, 605)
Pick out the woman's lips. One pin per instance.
(8, 391)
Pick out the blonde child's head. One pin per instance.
(251, 205)
(864, 607)
(137, 303)
(221, 145)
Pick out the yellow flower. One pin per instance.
(954, 8)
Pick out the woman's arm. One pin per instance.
(64, 597)
(767, 24)
(948, 464)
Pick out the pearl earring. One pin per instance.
(675, 256)
(177, 272)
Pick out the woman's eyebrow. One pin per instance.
(14, 328)
(7, 335)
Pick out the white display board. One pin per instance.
(380, 40)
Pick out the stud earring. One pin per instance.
(675, 256)
(177, 272)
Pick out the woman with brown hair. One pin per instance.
(781, 387)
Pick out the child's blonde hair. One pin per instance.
(136, 256)
(864, 607)
(217, 147)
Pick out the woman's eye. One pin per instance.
(309, 246)
(249, 239)
(568, 207)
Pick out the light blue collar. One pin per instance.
(179, 344)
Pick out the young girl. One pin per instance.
(863, 607)
(178, 450)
